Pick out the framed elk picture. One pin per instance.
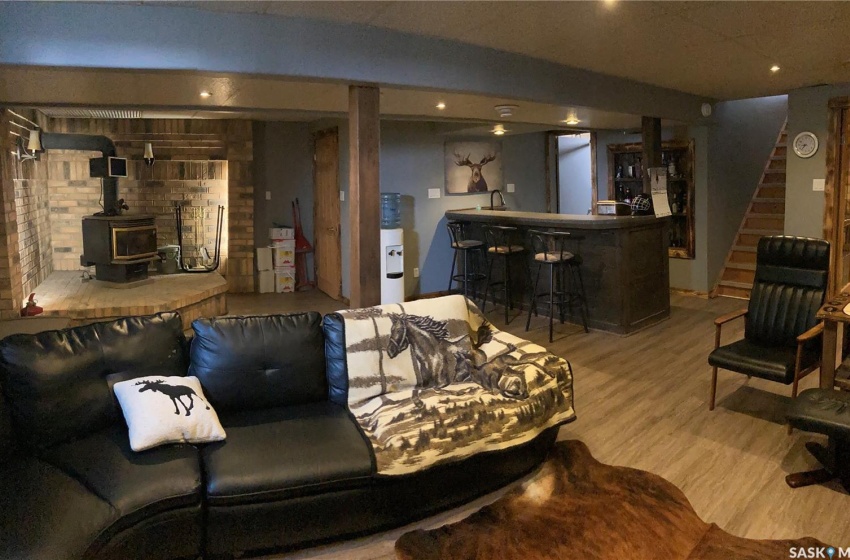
(473, 167)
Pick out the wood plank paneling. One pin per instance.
(364, 126)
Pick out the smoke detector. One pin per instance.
(506, 111)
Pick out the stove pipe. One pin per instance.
(89, 143)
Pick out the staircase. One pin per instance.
(765, 216)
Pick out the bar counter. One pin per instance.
(625, 266)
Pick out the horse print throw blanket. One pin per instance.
(433, 381)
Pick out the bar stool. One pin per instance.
(501, 244)
(459, 241)
(550, 249)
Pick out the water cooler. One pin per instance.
(392, 249)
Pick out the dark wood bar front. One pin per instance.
(624, 263)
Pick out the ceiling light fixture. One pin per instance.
(506, 111)
(499, 130)
(572, 118)
(441, 105)
(205, 94)
(774, 68)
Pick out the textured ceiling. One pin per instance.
(716, 49)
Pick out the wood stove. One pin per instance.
(119, 247)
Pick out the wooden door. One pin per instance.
(837, 195)
(328, 257)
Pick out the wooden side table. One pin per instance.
(833, 317)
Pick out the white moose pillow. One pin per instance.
(161, 410)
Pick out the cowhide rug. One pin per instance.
(576, 507)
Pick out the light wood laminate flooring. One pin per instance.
(641, 402)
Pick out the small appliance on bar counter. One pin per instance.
(613, 208)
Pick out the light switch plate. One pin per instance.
(818, 184)
(268, 195)
(433, 193)
(416, 273)
(342, 196)
(511, 187)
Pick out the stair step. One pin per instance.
(769, 200)
(761, 232)
(740, 285)
(762, 215)
(778, 158)
(745, 248)
(741, 265)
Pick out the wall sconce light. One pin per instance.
(148, 157)
(33, 148)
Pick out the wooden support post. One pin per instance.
(364, 135)
(651, 133)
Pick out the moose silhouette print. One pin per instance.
(174, 392)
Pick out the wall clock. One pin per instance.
(805, 144)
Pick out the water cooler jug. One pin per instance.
(392, 249)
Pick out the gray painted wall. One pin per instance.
(411, 163)
(283, 155)
(742, 136)
(574, 180)
(808, 111)
(77, 34)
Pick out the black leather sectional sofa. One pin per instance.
(294, 470)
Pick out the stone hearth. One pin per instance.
(66, 294)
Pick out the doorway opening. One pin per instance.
(576, 173)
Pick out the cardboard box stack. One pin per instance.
(283, 258)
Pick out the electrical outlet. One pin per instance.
(342, 196)
(268, 195)
(818, 185)
(433, 193)
(416, 273)
(511, 187)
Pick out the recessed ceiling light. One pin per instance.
(441, 105)
(774, 68)
(498, 130)
(572, 121)
(205, 94)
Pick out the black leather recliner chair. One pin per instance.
(781, 334)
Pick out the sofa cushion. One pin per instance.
(278, 453)
(56, 383)
(7, 442)
(333, 327)
(45, 513)
(135, 484)
(250, 363)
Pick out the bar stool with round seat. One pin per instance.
(550, 249)
(460, 242)
(502, 244)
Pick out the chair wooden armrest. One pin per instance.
(730, 316)
(813, 332)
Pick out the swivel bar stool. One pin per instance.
(501, 245)
(459, 241)
(550, 249)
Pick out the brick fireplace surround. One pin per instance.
(200, 163)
